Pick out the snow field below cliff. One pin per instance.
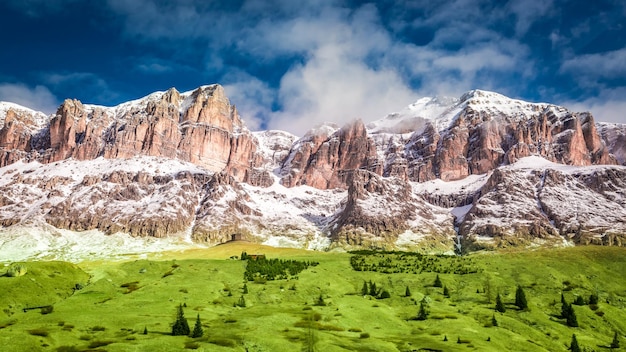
(294, 217)
(49, 243)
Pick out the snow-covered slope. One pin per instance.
(172, 169)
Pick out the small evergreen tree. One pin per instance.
(593, 299)
(446, 292)
(571, 317)
(445, 338)
(565, 307)
(573, 346)
(423, 312)
(437, 282)
(145, 330)
(180, 327)
(241, 302)
(320, 301)
(520, 298)
(615, 342)
(373, 289)
(384, 294)
(494, 322)
(499, 305)
(364, 289)
(407, 292)
(579, 301)
(197, 329)
(245, 289)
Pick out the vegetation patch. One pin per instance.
(130, 286)
(395, 262)
(39, 332)
(272, 269)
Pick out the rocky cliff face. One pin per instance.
(540, 200)
(324, 158)
(200, 127)
(492, 170)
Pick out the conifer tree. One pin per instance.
(241, 302)
(615, 342)
(574, 344)
(180, 327)
(437, 282)
(407, 292)
(145, 330)
(197, 329)
(364, 289)
(245, 289)
(384, 294)
(565, 307)
(579, 301)
(445, 338)
(373, 289)
(446, 292)
(593, 299)
(520, 298)
(499, 305)
(320, 301)
(571, 317)
(423, 312)
(494, 322)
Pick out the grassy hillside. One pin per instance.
(119, 301)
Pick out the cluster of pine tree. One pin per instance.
(520, 301)
(567, 313)
(181, 327)
(411, 262)
(370, 288)
(273, 269)
(423, 312)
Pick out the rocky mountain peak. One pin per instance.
(172, 163)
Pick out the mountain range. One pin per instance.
(443, 174)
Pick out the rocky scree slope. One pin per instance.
(483, 170)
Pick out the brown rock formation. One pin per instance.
(363, 222)
(202, 128)
(324, 161)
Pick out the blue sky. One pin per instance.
(290, 65)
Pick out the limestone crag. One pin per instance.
(493, 170)
(614, 137)
(324, 160)
(378, 210)
(519, 206)
(201, 127)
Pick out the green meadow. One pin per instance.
(131, 305)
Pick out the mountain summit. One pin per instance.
(479, 171)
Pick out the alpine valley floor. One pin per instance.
(130, 304)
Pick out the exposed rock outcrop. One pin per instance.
(184, 164)
(324, 160)
(201, 127)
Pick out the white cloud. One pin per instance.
(527, 12)
(608, 106)
(346, 63)
(37, 98)
(332, 87)
(252, 97)
(610, 65)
